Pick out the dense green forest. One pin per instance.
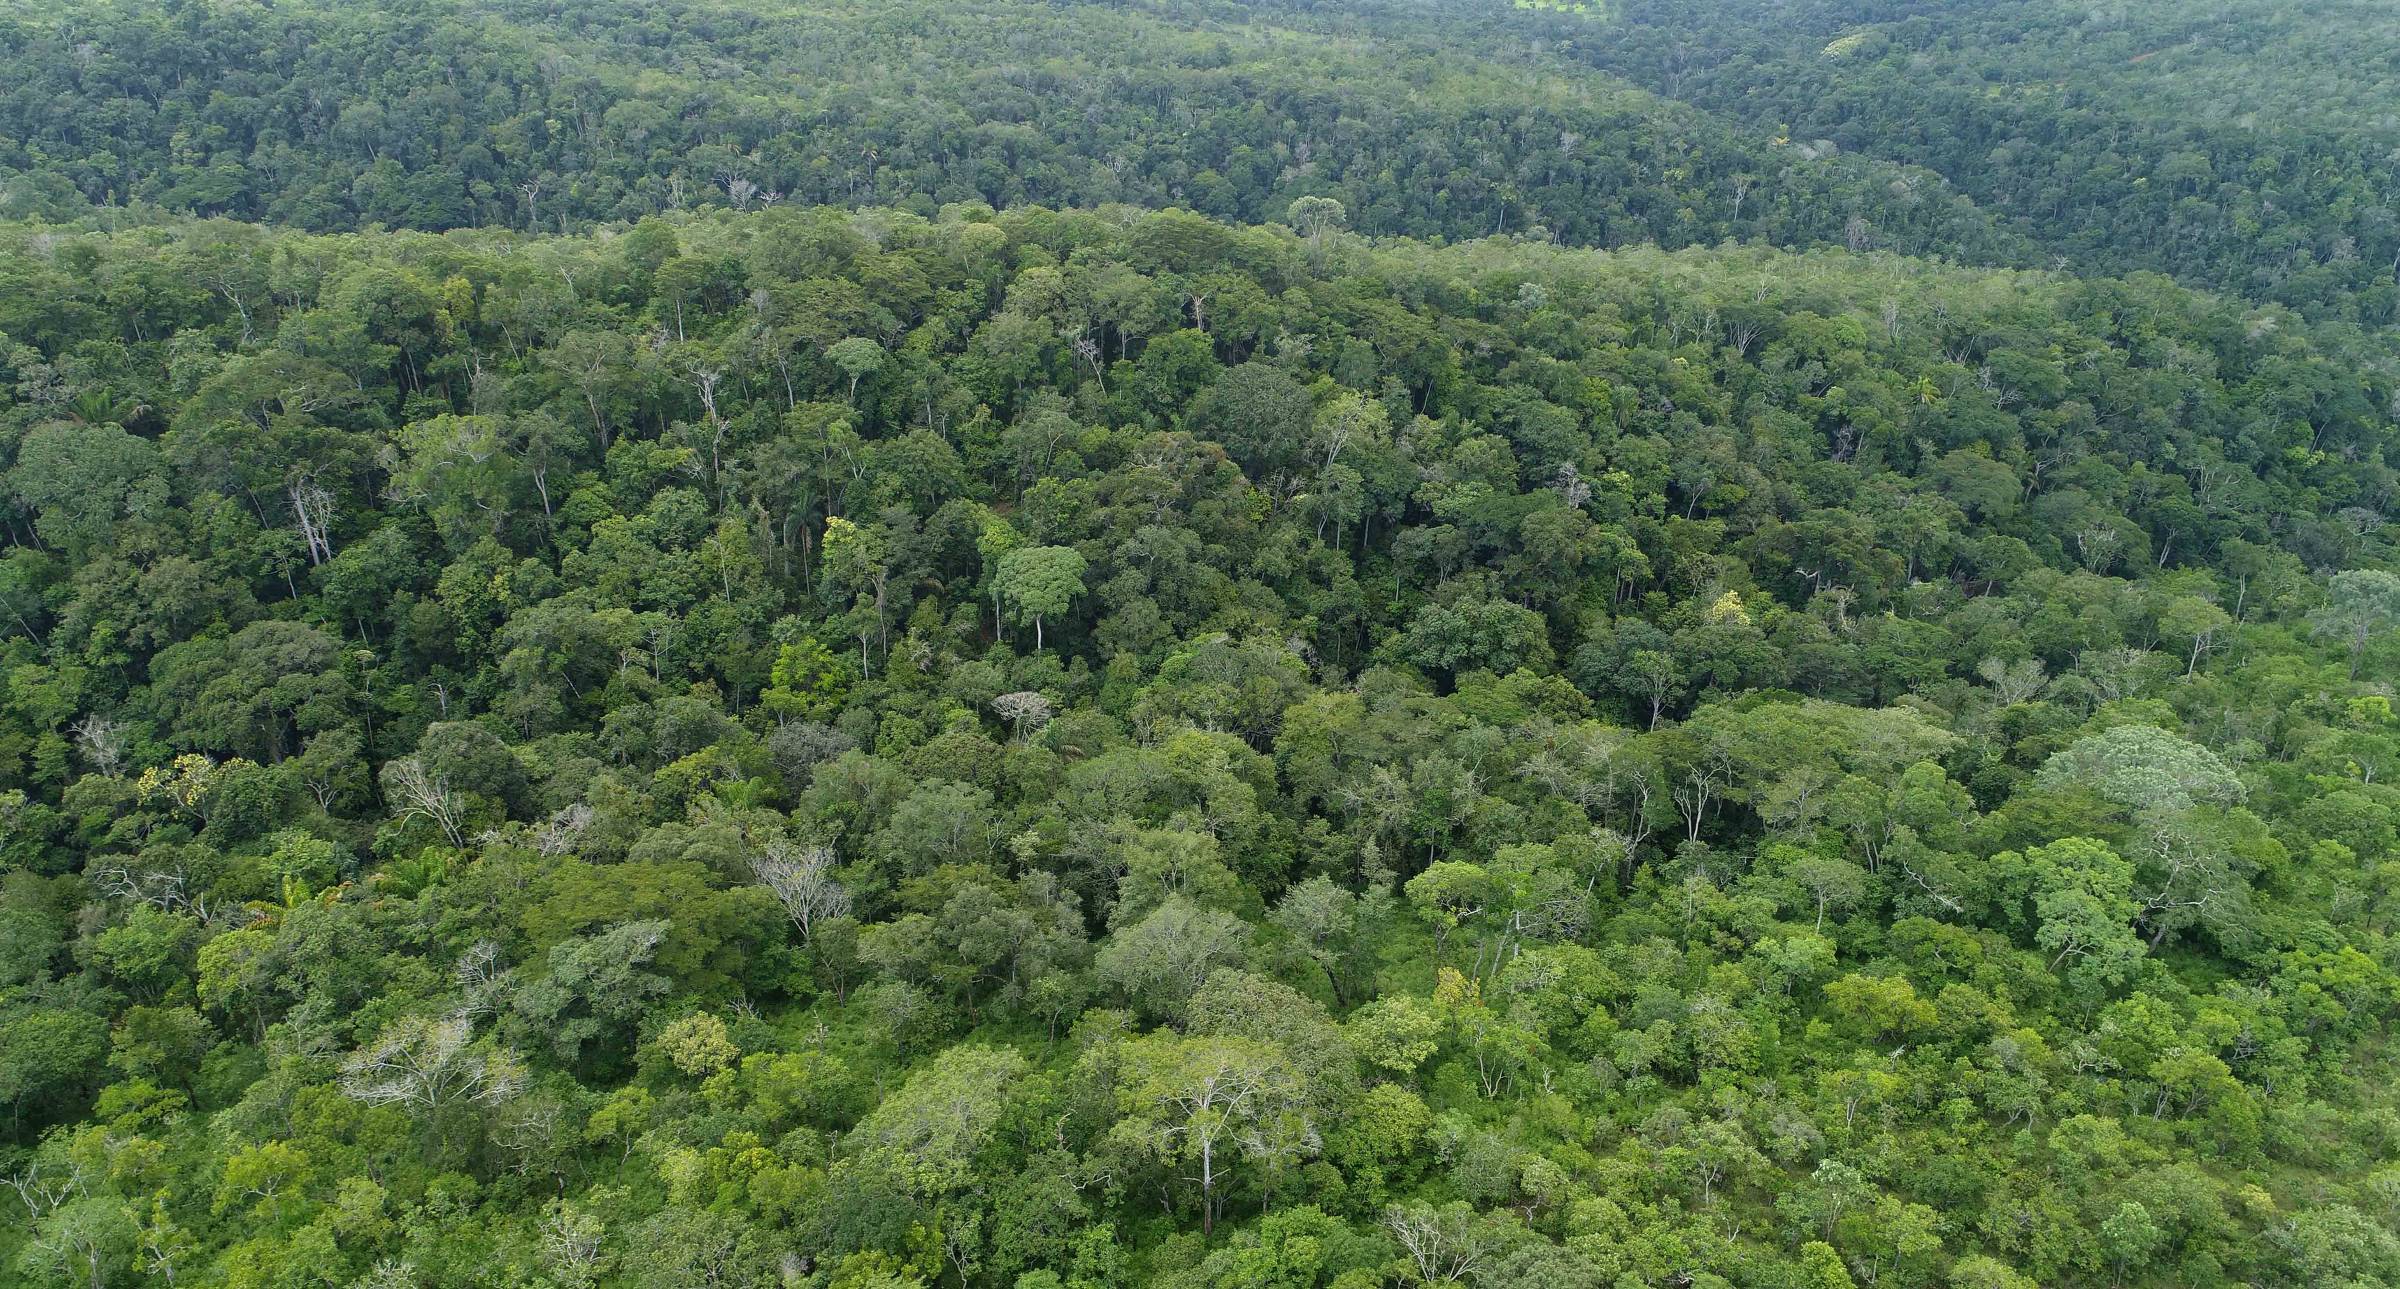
(2247, 144)
(439, 114)
(1049, 646)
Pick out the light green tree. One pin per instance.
(1039, 583)
(2142, 768)
(2360, 605)
(1206, 1104)
(858, 358)
(1314, 217)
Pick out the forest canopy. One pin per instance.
(632, 654)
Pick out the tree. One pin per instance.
(1295, 1248)
(681, 1246)
(2361, 605)
(82, 1242)
(2083, 904)
(81, 480)
(698, 1045)
(931, 1129)
(103, 742)
(858, 358)
(2197, 623)
(808, 682)
(594, 990)
(429, 1065)
(256, 693)
(1821, 1268)
(263, 1178)
(1314, 217)
(1262, 415)
(599, 364)
(1882, 1008)
(1163, 863)
(47, 1054)
(1829, 883)
(2129, 1236)
(802, 879)
(1451, 894)
(1395, 1033)
(571, 1245)
(1202, 1104)
(1025, 710)
(1161, 960)
(2142, 768)
(1473, 632)
(149, 952)
(418, 794)
(1039, 582)
(858, 560)
(1324, 921)
(1636, 660)
(1445, 1244)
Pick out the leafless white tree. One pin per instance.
(1444, 1243)
(430, 1064)
(103, 740)
(391, 1273)
(705, 380)
(170, 890)
(532, 191)
(42, 1187)
(571, 1245)
(1571, 487)
(421, 794)
(2013, 682)
(559, 833)
(802, 877)
(312, 510)
(1088, 350)
(480, 976)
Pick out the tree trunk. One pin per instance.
(1208, 1189)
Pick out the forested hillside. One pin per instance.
(440, 114)
(2249, 144)
(566, 724)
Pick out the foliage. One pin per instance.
(869, 739)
